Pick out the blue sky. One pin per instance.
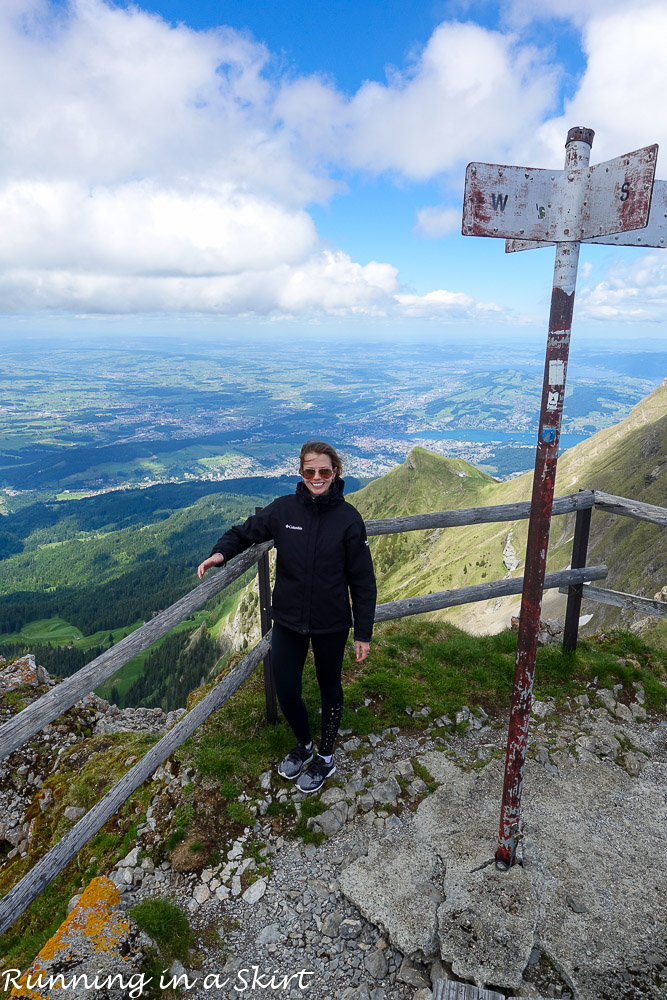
(299, 165)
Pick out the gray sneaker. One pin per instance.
(293, 764)
(315, 775)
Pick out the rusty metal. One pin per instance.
(654, 234)
(578, 203)
(546, 459)
(264, 588)
(530, 207)
(582, 527)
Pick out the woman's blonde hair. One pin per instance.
(321, 448)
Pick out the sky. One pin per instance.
(297, 166)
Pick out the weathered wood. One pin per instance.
(631, 508)
(476, 515)
(445, 989)
(264, 593)
(48, 867)
(620, 600)
(481, 592)
(21, 727)
(582, 528)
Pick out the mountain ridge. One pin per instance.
(627, 460)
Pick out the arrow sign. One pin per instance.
(654, 235)
(562, 206)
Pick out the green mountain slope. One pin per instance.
(103, 580)
(627, 459)
(422, 480)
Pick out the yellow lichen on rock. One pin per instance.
(93, 937)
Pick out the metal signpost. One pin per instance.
(531, 208)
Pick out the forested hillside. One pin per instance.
(106, 577)
(111, 561)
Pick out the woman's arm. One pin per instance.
(363, 589)
(257, 528)
(215, 560)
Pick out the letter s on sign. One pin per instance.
(625, 191)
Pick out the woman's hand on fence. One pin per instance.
(216, 559)
(362, 649)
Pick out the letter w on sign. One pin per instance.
(561, 206)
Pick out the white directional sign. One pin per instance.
(559, 205)
(607, 203)
(654, 234)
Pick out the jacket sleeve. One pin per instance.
(258, 528)
(360, 580)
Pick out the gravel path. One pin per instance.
(293, 933)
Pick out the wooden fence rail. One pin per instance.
(447, 989)
(476, 515)
(620, 600)
(631, 508)
(49, 866)
(28, 722)
(482, 592)
(21, 727)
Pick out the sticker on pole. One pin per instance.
(526, 203)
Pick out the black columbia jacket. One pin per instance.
(322, 552)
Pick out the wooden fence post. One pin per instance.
(582, 527)
(264, 584)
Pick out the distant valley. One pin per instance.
(78, 419)
(120, 469)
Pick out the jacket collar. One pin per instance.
(332, 497)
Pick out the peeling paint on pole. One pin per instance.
(523, 205)
(544, 481)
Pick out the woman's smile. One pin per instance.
(317, 464)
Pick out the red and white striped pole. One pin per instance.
(578, 151)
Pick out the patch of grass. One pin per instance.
(238, 812)
(606, 657)
(82, 793)
(309, 807)
(18, 698)
(167, 925)
(230, 790)
(183, 817)
(277, 808)
(426, 776)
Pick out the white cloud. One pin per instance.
(326, 281)
(143, 227)
(631, 294)
(137, 157)
(441, 304)
(147, 167)
(468, 89)
(579, 12)
(621, 93)
(436, 221)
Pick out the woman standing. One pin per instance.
(322, 560)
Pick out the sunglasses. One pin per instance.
(311, 473)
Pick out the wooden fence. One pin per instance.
(23, 726)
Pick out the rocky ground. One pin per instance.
(390, 900)
(401, 890)
(24, 772)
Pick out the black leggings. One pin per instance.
(288, 656)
